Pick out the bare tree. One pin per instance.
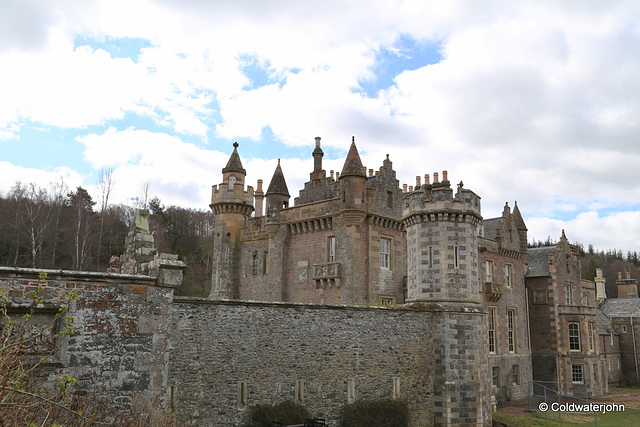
(82, 205)
(32, 218)
(105, 184)
(57, 193)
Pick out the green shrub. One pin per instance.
(284, 412)
(368, 413)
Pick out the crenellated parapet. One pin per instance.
(231, 197)
(437, 203)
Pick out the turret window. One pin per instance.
(232, 181)
(331, 249)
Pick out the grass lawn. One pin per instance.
(630, 417)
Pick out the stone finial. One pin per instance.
(318, 142)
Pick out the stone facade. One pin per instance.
(502, 256)
(564, 337)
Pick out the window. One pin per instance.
(456, 257)
(265, 261)
(232, 182)
(495, 376)
(577, 375)
(430, 256)
(591, 336)
(488, 267)
(254, 263)
(574, 337)
(385, 251)
(624, 329)
(390, 199)
(515, 374)
(511, 331)
(585, 299)
(331, 249)
(567, 294)
(492, 330)
(387, 301)
(507, 275)
(595, 373)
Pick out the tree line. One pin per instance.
(56, 227)
(611, 261)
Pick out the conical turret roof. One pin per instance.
(353, 164)
(278, 185)
(234, 164)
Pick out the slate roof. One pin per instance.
(602, 322)
(491, 226)
(621, 307)
(278, 185)
(353, 164)
(234, 164)
(538, 261)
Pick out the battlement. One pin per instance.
(231, 193)
(436, 202)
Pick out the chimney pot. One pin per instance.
(444, 176)
(370, 172)
(426, 179)
(331, 174)
(418, 181)
(259, 185)
(404, 188)
(410, 188)
(317, 142)
(435, 178)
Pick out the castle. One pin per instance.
(360, 290)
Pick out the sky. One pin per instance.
(530, 101)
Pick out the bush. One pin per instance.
(284, 412)
(382, 413)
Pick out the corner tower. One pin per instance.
(232, 205)
(353, 183)
(442, 258)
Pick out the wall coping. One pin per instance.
(84, 276)
(278, 304)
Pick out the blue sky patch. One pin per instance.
(123, 47)
(49, 146)
(406, 54)
(260, 73)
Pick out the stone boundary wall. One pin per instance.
(227, 356)
(118, 352)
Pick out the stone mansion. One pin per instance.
(359, 289)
